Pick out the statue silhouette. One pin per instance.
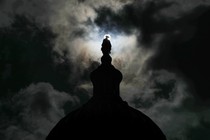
(106, 115)
(106, 46)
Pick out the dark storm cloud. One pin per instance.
(185, 50)
(167, 99)
(34, 8)
(33, 112)
(143, 17)
(26, 55)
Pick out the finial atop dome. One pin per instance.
(106, 45)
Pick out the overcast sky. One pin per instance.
(48, 49)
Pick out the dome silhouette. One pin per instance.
(106, 115)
